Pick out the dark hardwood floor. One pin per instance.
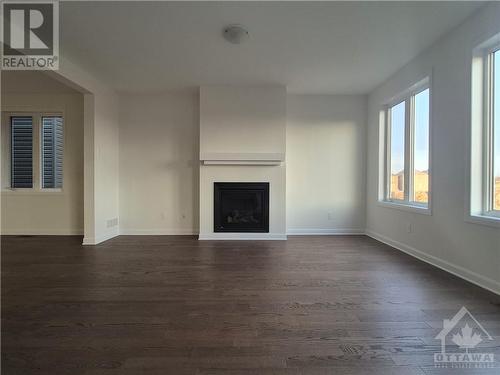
(174, 305)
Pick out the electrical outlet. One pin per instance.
(409, 228)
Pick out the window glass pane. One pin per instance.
(21, 152)
(421, 148)
(397, 152)
(496, 130)
(52, 152)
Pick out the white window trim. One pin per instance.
(480, 194)
(37, 152)
(409, 207)
(408, 97)
(488, 175)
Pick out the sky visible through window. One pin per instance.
(397, 138)
(422, 131)
(421, 134)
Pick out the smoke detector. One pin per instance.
(235, 34)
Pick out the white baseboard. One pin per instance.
(158, 232)
(243, 236)
(459, 271)
(111, 233)
(324, 232)
(42, 232)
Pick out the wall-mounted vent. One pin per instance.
(112, 222)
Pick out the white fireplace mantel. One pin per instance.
(230, 158)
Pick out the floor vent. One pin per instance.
(352, 349)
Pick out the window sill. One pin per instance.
(406, 207)
(32, 192)
(491, 221)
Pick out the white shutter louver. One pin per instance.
(21, 152)
(52, 152)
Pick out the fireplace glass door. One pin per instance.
(241, 207)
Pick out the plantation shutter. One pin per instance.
(21, 152)
(52, 152)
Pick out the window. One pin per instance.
(484, 171)
(421, 148)
(35, 151)
(492, 201)
(407, 165)
(21, 130)
(495, 103)
(52, 152)
(397, 152)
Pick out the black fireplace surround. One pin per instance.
(241, 207)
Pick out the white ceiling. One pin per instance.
(312, 47)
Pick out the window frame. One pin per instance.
(408, 97)
(479, 150)
(37, 151)
(488, 133)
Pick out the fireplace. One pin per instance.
(241, 207)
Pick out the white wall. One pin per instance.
(159, 167)
(42, 212)
(445, 238)
(325, 156)
(243, 120)
(159, 163)
(106, 167)
(101, 152)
